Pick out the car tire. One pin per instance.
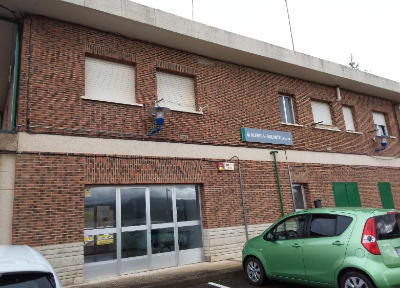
(355, 279)
(254, 271)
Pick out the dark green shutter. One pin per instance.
(352, 195)
(346, 194)
(386, 195)
(340, 194)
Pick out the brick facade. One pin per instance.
(53, 79)
(49, 190)
(50, 186)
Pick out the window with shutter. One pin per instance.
(321, 112)
(380, 124)
(176, 91)
(109, 81)
(348, 119)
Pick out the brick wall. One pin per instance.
(49, 189)
(52, 83)
(48, 199)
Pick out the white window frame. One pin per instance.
(177, 92)
(301, 186)
(348, 118)
(109, 81)
(380, 124)
(287, 113)
(321, 113)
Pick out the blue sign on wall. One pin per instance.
(266, 136)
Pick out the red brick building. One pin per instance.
(86, 182)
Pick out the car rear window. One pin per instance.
(387, 226)
(28, 279)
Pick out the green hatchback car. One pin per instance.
(328, 247)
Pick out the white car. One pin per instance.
(21, 266)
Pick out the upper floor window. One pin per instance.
(321, 112)
(109, 81)
(286, 105)
(348, 119)
(176, 91)
(380, 124)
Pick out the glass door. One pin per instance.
(133, 231)
(162, 227)
(100, 245)
(130, 229)
(189, 231)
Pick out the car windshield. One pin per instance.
(27, 279)
(387, 226)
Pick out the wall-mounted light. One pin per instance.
(383, 142)
(158, 113)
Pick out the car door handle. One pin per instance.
(338, 243)
(296, 245)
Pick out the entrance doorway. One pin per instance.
(130, 229)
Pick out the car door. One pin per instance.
(284, 248)
(325, 247)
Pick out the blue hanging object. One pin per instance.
(158, 113)
(383, 143)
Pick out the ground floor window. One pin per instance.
(299, 199)
(141, 228)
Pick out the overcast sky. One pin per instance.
(327, 29)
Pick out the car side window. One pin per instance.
(328, 225)
(290, 228)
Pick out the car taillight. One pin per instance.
(368, 239)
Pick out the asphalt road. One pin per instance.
(239, 281)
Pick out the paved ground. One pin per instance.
(176, 277)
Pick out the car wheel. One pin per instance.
(254, 271)
(355, 280)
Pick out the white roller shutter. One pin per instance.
(348, 119)
(379, 118)
(380, 123)
(321, 112)
(176, 91)
(109, 81)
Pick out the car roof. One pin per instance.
(22, 258)
(368, 211)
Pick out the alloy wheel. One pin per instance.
(253, 271)
(355, 282)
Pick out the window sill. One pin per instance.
(291, 124)
(354, 132)
(186, 111)
(113, 102)
(327, 127)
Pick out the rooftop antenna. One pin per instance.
(290, 26)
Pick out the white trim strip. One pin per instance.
(69, 144)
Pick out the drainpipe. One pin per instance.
(277, 179)
(16, 79)
(243, 202)
(16, 70)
